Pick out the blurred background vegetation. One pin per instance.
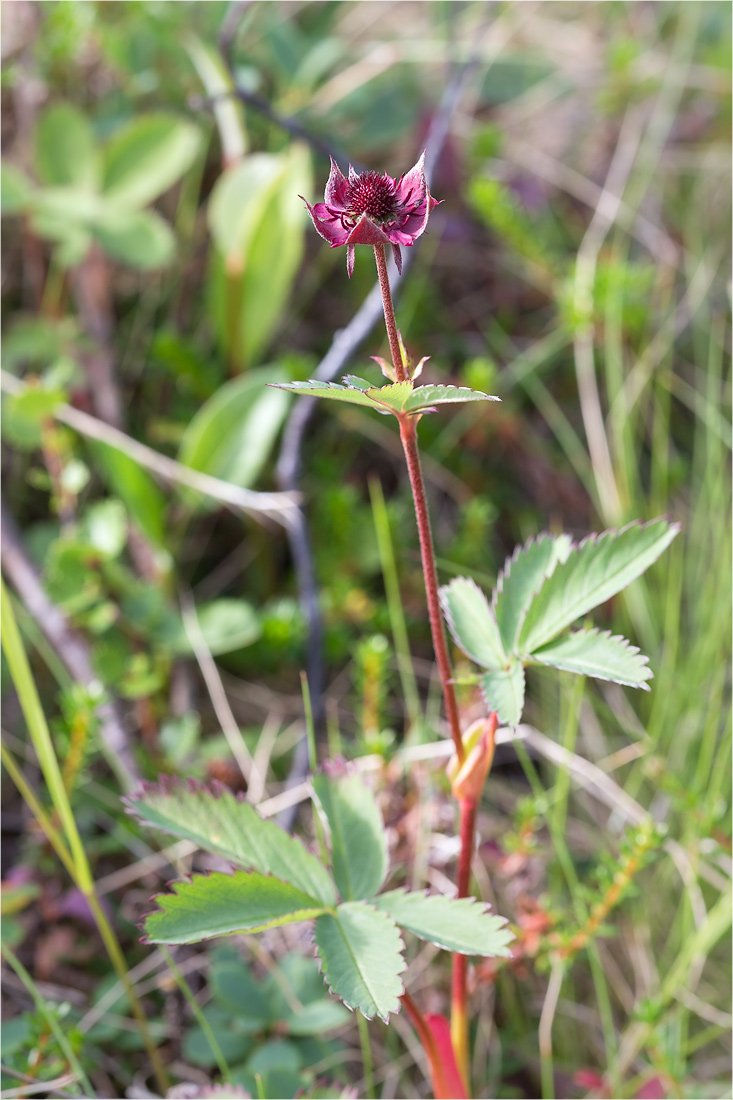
(157, 270)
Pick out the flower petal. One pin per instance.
(366, 232)
(413, 181)
(337, 187)
(327, 224)
(397, 256)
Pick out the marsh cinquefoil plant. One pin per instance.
(544, 588)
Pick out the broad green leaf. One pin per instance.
(592, 653)
(456, 924)
(358, 840)
(66, 152)
(238, 202)
(317, 1018)
(233, 984)
(146, 157)
(275, 255)
(472, 623)
(218, 905)
(15, 189)
(144, 500)
(361, 958)
(57, 210)
(597, 569)
(104, 527)
(24, 414)
(333, 391)
(219, 822)
(232, 435)
(140, 238)
(503, 691)
(226, 624)
(393, 397)
(521, 578)
(424, 397)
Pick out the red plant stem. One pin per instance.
(408, 434)
(389, 318)
(459, 999)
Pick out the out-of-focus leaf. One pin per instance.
(472, 622)
(232, 435)
(358, 840)
(317, 1018)
(104, 527)
(599, 654)
(140, 238)
(66, 152)
(226, 625)
(219, 86)
(597, 569)
(15, 189)
(219, 822)
(218, 904)
(146, 157)
(521, 578)
(23, 415)
(361, 958)
(237, 204)
(456, 924)
(145, 502)
(503, 691)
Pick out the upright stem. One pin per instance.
(459, 1014)
(408, 434)
(389, 319)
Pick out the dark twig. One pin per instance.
(69, 645)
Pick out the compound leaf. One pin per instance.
(358, 840)
(424, 397)
(334, 391)
(220, 904)
(456, 924)
(360, 950)
(592, 653)
(219, 822)
(503, 691)
(597, 569)
(472, 622)
(521, 578)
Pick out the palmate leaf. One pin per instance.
(456, 924)
(597, 569)
(472, 622)
(398, 397)
(592, 653)
(503, 691)
(219, 904)
(218, 821)
(360, 949)
(521, 578)
(358, 840)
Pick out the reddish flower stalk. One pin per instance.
(434, 1034)
(459, 998)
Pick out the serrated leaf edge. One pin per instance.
(402, 969)
(506, 569)
(467, 903)
(451, 624)
(633, 651)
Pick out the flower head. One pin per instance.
(369, 208)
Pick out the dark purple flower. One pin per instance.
(369, 208)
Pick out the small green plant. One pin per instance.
(547, 585)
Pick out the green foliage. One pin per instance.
(397, 398)
(361, 958)
(545, 587)
(460, 924)
(358, 842)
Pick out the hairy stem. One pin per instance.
(459, 1013)
(408, 434)
(389, 318)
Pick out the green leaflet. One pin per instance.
(219, 904)
(472, 622)
(592, 653)
(219, 822)
(358, 841)
(597, 569)
(426, 396)
(520, 580)
(398, 397)
(503, 691)
(456, 924)
(361, 958)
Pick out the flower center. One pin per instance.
(371, 194)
